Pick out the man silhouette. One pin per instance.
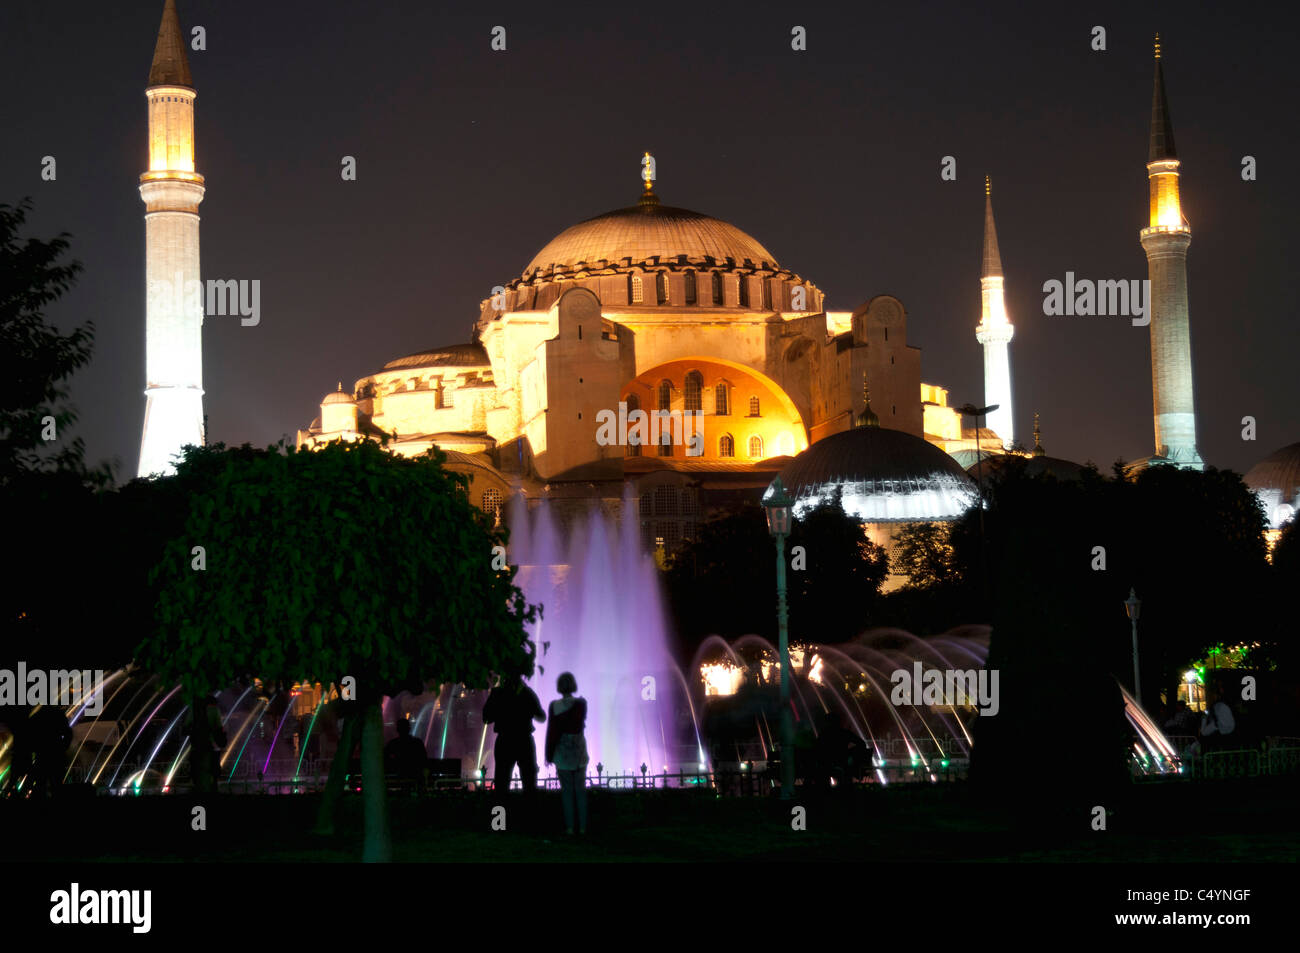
(511, 708)
(405, 756)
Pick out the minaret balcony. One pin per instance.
(1184, 229)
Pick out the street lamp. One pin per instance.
(777, 505)
(970, 410)
(1132, 605)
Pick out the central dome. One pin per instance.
(649, 229)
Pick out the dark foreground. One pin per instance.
(1251, 820)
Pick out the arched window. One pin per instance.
(633, 433)
(665, 395)
(717, 288)
(637, 293)
(661, 288)
(756, 447)
(744, 291)
(720, 404)
(665, 438)
(726, 446)
(753, 407)
(694, 386)
(493, 503)
(690, 287)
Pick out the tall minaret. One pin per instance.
(172, 191)
(995, 330)
(1165, 242)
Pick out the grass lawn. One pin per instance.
(1176, 822)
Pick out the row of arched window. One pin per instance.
(692, 396)
(636, 290)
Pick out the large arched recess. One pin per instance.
(779, 426)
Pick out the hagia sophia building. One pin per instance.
(651, 314)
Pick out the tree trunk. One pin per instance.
(378, 846)
(203, 774)
(338, 771)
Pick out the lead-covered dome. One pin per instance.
(881, 476)
(648, 230)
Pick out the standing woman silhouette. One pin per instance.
(566, 748)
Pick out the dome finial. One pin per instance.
(648, 196)
(340, 387)
(868, 416)
(1038, 445)
(1157, 46)
(988, 185)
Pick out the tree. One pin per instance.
(923, 553)
(36, 360)
(347, 561)
(724, 582)
(837, 595)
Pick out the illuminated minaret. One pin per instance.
(1165, 242)
(172, 191)
(995, 331)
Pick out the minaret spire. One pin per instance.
(1162, 128)
(1166, 240)
(171, 66)
(1038, 443)
(995, 330)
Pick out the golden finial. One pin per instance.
(988, 185)
(1157, 46)
(1038, 444)
(648, 171)
(340, 387)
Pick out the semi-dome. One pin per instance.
(642, 232)
(881, 476)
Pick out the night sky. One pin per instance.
(470, 160)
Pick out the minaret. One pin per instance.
(1165, 242)
(172, 191)
(995, 331)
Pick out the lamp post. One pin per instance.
(970, 410)
(777, 505)
(1131, 605)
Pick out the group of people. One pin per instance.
(511, 708)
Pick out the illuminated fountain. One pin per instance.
(604, 621)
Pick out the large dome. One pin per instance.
(881, 475)
(644, 231)
(1280, 471)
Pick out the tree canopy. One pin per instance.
(342, 561)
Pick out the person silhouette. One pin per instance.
(566, 748)
(512, 707)
(405, 756)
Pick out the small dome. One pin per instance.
(1280, 471)
(454, 355)
(644, 231)
(882, 476)
(1039, 463)
(338, 397)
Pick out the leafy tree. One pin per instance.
(343, 561)
(923, 553)
(837, 596)
(725, 581)
(36, 360)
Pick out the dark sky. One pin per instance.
(469, 161)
